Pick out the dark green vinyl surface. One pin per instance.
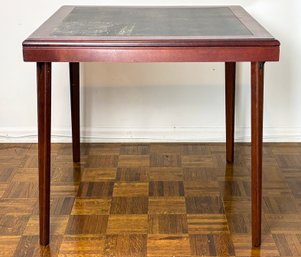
(98, 21)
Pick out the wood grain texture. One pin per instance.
(95, 189)
(166, 188)
(87, 224)
(133, 161)
(127, 224)
(44, 130)
(129, 205)
(8, 245)
(98, 174)
(152, 54)
(29, 246)
(151, 211)
(82, 245)
(215, 223)
(167, 205)
(211, 245)
(167, 224)
(168, 245)
(130, 189)
(87, 206)
(230, 74)
(75, 109)
(133, 245)
(257, 81)
(132, 174)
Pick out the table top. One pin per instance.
(149, 22)
(88, 33)
(136, 25)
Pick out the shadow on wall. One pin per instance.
(153, 95)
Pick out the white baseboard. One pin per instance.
(201, 134)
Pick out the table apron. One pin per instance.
(151, 54)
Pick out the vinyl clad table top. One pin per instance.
(109, 25)
(150, 22)
(150, 34)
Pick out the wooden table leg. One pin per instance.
(44, 128)
(75, 112)
(257, 78)
(230, 109)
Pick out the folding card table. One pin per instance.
(77, 34)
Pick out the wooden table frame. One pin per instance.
(257, 50)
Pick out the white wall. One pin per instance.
(150, 102)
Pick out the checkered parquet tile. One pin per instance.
(150, 200)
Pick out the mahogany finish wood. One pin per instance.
(258, 45)
(230, 109)
(153, 54)
(257, 77)
(44, 127)
(75, 109)
(113, 41)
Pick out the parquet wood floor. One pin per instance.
(150, 200)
